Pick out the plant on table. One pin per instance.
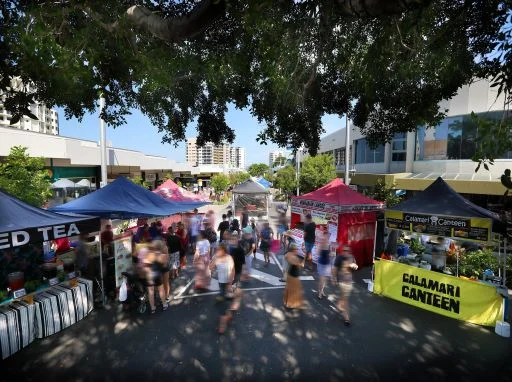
(416, 246)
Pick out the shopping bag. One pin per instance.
(275, 246)
(123, 291)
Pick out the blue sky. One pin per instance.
(139, 134)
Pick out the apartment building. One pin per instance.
(238, 157)
(273, 156)
(47, 121)
(412, 161)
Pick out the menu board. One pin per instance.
(123, 257)
(474, 229)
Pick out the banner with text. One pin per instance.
(474, 229)
(450, 296)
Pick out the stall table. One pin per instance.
(54, 309)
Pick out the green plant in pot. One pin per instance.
(416, 247)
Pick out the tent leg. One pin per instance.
(374, 245)
(101, 273)
(505, 262)
(457, 272)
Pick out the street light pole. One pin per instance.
(347, 151)
(298, 169)
(103, 144)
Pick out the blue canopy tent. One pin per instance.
(265, 183)
(123, 199)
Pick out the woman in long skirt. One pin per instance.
(293, 293)
(202, 262)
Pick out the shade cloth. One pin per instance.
(250, 187)
(21, 223)
(123, 199)
(171, 191)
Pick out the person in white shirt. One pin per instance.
(202, 262)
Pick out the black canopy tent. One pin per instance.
(250, 192)
(441, 211)
(21, 223)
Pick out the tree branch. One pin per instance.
(179, 28)
(377, 8)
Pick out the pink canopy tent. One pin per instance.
(170, 190)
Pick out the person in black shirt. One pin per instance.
(309, 237)
(236, 251)
(245, 217)
(174, 246)
(223, 227)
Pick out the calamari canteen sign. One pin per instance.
(474, 229)
(439, 293)
(38, 235)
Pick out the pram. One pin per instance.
(137, 292)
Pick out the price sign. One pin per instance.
(19, 293)
(71, 275)
(53, 281)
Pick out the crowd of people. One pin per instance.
(228, 250)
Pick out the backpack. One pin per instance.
(211, 235)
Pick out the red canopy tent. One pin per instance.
(170, 190)
(350, 216)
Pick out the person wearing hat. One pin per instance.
(248, 245)
(293, 292)
(344, 264)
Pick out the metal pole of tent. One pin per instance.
(374, 244)
(101, 273)
(505, 262)
(457, 256)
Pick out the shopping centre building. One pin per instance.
(412, 161)
(78, 159)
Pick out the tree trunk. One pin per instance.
(178, 29)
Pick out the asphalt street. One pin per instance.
(388, 341)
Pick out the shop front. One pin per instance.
(435, 267)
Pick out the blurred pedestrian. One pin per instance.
(223, 227)
(293, 292)
(182, 234)
(248, 246)
(309, 239)
(344, 265)
(174, 247)
(267, 235)
(195, 227)
(202, 262)
(164, 260)
(245, 217)
(211, 236)
(225, 267)
(238, 255)
(324, 262)
(282, 227)
(152, 269)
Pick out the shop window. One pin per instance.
(365, 154)
(399, 147)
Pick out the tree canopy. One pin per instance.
(316, 172)
(220, 182)
(285, 179)
(25, 177)
(387, 64)
(258, 169)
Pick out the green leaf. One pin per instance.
(477, 167)
(15, 119)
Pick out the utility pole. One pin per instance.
(103, 144)
(347, 151)
(297, 163)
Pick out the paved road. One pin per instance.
(388, 341)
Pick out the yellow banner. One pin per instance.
(439, 293)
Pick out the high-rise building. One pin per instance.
(273, 156)
(238, 157)
(47, 121)
(208, 154)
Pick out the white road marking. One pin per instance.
(307, 278)
(184, 289)
(260, 256)
(277, 262)
(217, 292)
(265, 277)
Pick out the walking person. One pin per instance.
(165, 264)
(249, 246)
(282, 228)
(174, 247)
(223, 227)
(153, 275)
(309, 239)
(324, 262)
(344, 264)
(238, 255)
(293, 292)
(202, 262)
(245, 217)
(255, 236)
(195, 226)
(182, 234)
(224, 264)
(267, 235)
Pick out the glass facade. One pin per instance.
(453, 138)
(399, 147)
(364, 154)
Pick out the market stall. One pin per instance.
(425, 273)
(252, 195)
(37, 300)
(349, 216)
(171, 191)
(123, 199)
